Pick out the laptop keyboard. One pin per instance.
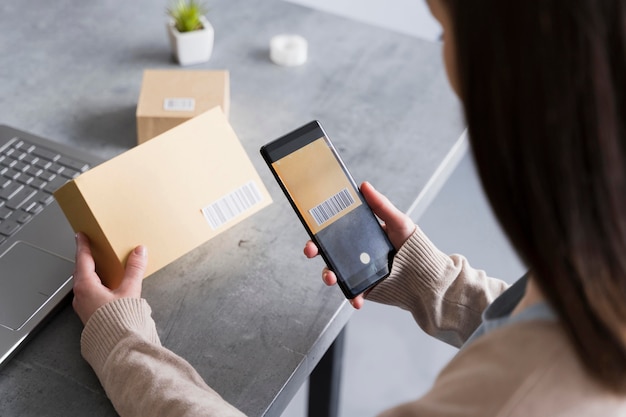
(29, 174)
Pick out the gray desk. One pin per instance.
(246, 309)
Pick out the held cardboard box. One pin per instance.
(170, 97)
(170, 194)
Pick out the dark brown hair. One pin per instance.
(543, 84)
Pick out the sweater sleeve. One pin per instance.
(141, 377)
(444, 293)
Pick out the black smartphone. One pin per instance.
(330, 206)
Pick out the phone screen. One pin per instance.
(329, 204)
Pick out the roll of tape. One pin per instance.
(288, 50)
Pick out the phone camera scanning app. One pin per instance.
(331, 207)
(328, 202)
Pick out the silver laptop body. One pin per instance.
(36, 241)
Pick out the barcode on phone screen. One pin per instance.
(232, 205)
(331, 207)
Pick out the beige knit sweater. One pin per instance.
(523, 369)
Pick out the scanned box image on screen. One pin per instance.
(317, 184)
(334, 212)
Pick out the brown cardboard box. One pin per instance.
(170, 97)
(171, 194)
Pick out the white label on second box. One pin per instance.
(179, 104)
(232, 205)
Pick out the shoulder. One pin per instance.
(522, 369)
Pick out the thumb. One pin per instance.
(85, 265)
(381, 206)
(135, 271)
(397, 225)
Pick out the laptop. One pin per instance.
(37, 244)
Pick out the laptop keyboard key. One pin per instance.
(47, 176)
(55, 184)
(70, 173)
(11, 190)
(45, 154)
(43, 164)
(24, 179)
(5, 213)
(38, 184)
(20, 166)
(19, 199)
(75, 165)
(34, 208)
(8, 227)
(34, 171)
(56, 168)
(45, 198)
(30, 159)
(23, 217)
(11, 173)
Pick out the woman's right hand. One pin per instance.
(89, 292)
(398, 226)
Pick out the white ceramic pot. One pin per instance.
(192, 47)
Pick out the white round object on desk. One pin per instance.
(288, 50)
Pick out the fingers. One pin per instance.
(310, 250)
(135, 271)
(329, 277)
(358, 301)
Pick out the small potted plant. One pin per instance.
(191, 35)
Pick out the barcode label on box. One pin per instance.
(232, 205)
(179, 104)
(331, 207)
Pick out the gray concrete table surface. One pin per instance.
(246, 309)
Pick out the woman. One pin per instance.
(543, 87)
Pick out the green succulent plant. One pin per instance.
(186, 14)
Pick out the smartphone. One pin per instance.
(330, 206)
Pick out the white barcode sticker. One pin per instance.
(179, 104)
(331, 207)
(232, 205)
